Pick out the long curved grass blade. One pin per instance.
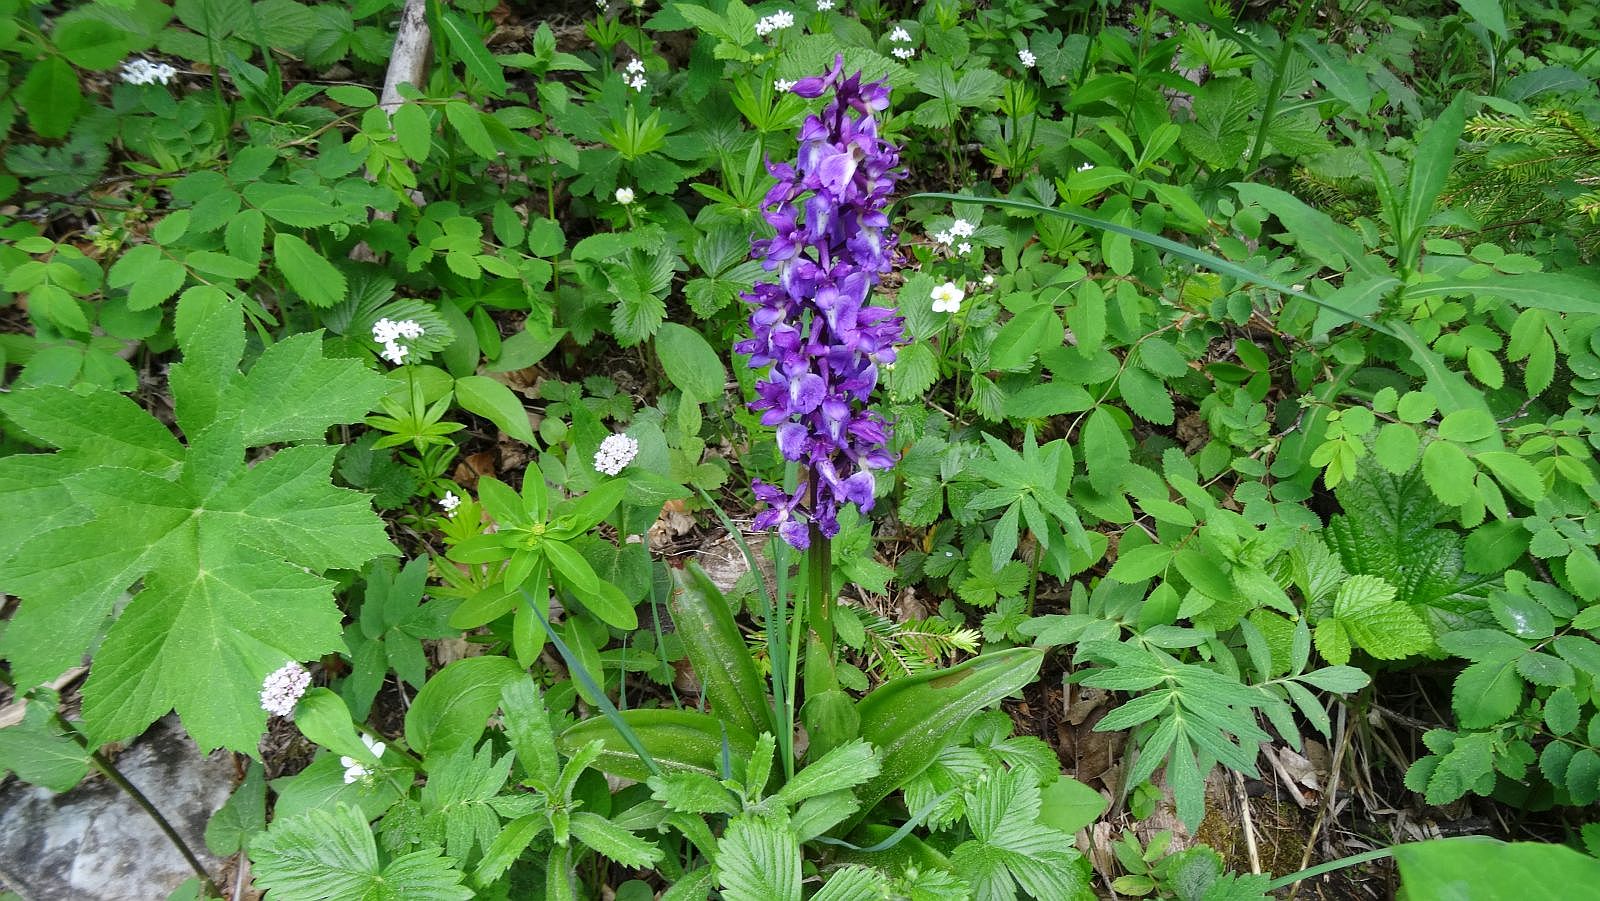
(1198, 257)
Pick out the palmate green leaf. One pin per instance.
(332, 855)
(1011, 848)
(228, 554)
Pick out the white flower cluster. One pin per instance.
(947, 298)
(776, 22)
(959, 229)
(355, 770)
(388, 333)
(283, 688)
(624, 196)
(143, 71)
(449, 502)
(615, 453)
(901, 36)
(783, 86)
(1027, 58)
(824, 5)
(634, 76)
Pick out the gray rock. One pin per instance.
(94, 843)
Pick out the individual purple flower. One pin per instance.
(813, 327)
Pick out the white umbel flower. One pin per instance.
(961, 228)
(903, 52)
(634, 76)
(389, 333)
(1086, 167)
(782, 86)
(449, 502)
(283, 688)
(776, 22)
(615, 453)
(947, 298)
(900, 34)
(1027, 58)
(143, 71)
(624, 196)
(824, 5)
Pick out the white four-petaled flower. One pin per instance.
(449, 502)
(633, 77)
(283, 688)
(961, 228)
(963, 248)
(947, 298)
(615, 453)
(1027, 58)
(624, 196)
(824, 5)
(355, 770)
(782, 86)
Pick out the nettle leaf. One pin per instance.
(332, 854)
(228, 555)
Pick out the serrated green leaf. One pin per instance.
(308, 272)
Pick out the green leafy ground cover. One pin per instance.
(1250, 387)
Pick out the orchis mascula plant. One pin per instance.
(823, 342)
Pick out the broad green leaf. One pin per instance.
(290, 204)
(332, 855)
(308, 272)
(39, 751)
(1382, 626)
(758, 859)
(689, 362)
(50, 96)
(703, 620)
(240, 817)
(471, 49)
(294, 393)
(454, 707)
(1462, 869)
(495, 402)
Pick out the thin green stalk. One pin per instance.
(1329, 867)
(819, 590)
(1275, 90)
(110, 771)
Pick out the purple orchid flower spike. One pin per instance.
(814, 328)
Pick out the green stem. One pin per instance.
(1329, 867)
(1275, 90)
(1033, 574)
(819, 590)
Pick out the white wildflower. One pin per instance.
(1086, 167)
(637, 82)
(389, 333)
(903, 52)
(624, 196)
(395, 353)
(988, 281)
(143, 71)
(961, 228)
(776, 22)
(944, 238)
(824, 5)
(964, 248)
(283, 688)
(633, 74)
(355, 770)
(615, 453)
(900, 34)
(947, 298)
(783, 86)
(449, 502)
(1027, 58)
(635, 66)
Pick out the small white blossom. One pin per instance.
(143, 71)
(961, 228)
(355, 770)
(395, 353)
(903, 52)
(283, 688)
(637, 82)
(824, 5)
(449, 502)
(944, 238)
(615, 453)
(947, 298)
(900, 34)
(964, 248)
(1027, 58)
(1086, 167)
(988, 281)
(783, 86)
(624, 196)
(635, 66)
(388, 333)
(776, 22)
